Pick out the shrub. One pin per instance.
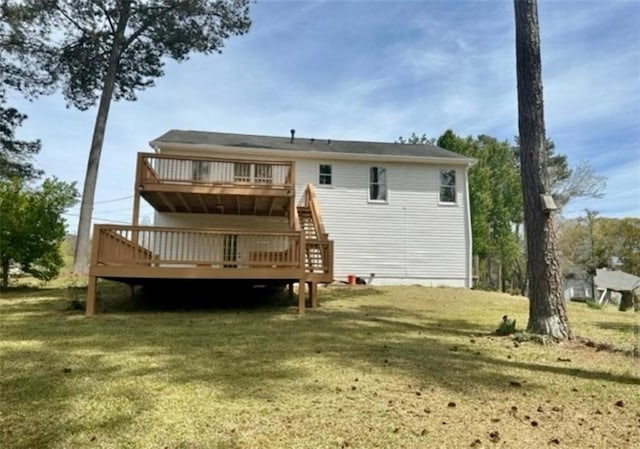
(506, 326)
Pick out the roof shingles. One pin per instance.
(204, 138)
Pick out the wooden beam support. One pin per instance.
(217, 190)
(184, 202)
(301, 298)
(313, 292)
(166, 202)
(273, 202)
(203, 204)
(291, 292)
(90, 309)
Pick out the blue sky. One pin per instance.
(377, 70)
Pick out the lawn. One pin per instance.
(401, 367)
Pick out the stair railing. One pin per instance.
(311, 202)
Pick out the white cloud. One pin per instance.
(370, 70)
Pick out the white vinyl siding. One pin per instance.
(222, 247)
(410, 240)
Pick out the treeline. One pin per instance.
(591, 242)
(495, 197)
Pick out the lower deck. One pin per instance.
(135, 254)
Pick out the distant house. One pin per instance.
(577, 284)
(614, 285)
(262, 207)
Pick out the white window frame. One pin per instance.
(378, 183)
(447, 187)
(326, 176)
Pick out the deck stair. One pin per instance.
(313, 253)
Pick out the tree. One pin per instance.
(32, 227)
(582, 182)
(566, 183)
(15, 155)
(99, 50)
(547, 310)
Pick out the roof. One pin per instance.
(616, 280)
(305, 145)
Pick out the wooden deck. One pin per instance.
(134, 253)
(303, 254)
(215, 186)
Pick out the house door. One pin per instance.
(230, 251)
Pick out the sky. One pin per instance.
(377, 70)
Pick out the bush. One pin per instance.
(594, 304)
(506, 326)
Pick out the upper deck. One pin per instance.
(193, 184)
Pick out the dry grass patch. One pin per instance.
(401, 367)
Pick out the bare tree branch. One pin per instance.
(70, 19)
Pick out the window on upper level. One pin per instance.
(448, 186)
(201, 170)
(377, 184)
(325, 175)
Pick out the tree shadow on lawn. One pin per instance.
(621, 327)
(240, 355)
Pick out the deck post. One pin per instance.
(136, 191)
(90, 309)
(301, 296)
(313, 292)
(290, 292)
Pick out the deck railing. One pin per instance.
(311, 202)
(175, 247)
(319, 256)
(193, 170)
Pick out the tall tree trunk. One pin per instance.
(81, 258)
(547, 311)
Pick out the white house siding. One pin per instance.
(208, 247)
(411, 239)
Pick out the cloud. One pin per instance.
(372, 70)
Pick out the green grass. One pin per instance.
(402, 367)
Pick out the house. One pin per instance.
(234, 206)
(617, 287)
(577, 284)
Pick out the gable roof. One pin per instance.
(303, 145)
(616, 280)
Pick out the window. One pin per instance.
(230, 250)
(447, 186)
(201, 170)
(325, 175)
(377, 184)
